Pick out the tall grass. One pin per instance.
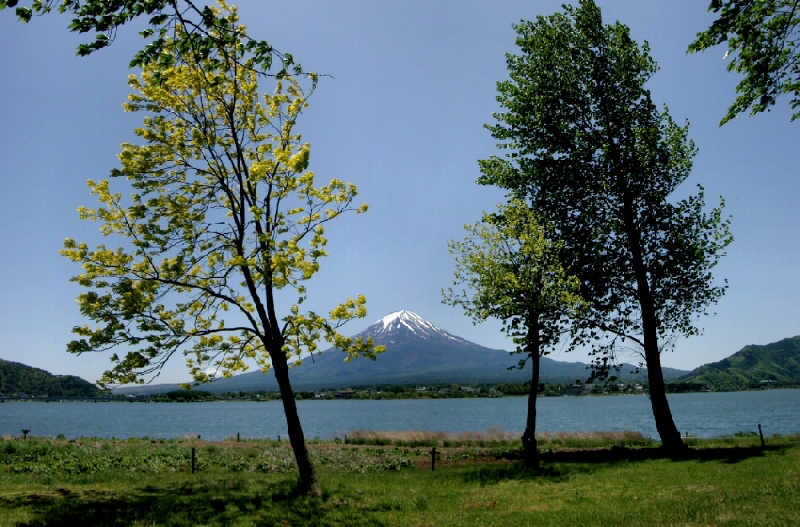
(492, 437)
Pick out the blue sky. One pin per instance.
(412, 83)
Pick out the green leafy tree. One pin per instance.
(224, 225)
(587, 147)
(510, 270)
(762, 38)
(203, 31)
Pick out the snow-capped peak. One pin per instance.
(405, 317)
(403, 325)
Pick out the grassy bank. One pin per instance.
(584, 480)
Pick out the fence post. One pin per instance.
(761, 434)
(194, 460)
(433, 459)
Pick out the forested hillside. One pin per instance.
(754, 365)
(16, 378)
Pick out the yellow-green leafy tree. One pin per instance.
(509, 268)
(225, 223)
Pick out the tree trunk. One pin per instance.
(530, 450)
(309, 481)
(670, 436)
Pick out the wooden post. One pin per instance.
(194, 460)
(760, 433)
(237, 437)
(433, 459)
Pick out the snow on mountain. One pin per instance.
(404, 325)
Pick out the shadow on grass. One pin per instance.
(621, 454)
(209, 502)
(558, 466)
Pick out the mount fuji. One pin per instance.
(417, 352)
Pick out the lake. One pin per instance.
(699, 414)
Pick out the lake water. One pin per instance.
(699, 414)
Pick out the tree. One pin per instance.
(587, 147)
(224, 225)
(762, 37)
(203, 30)
(511, 271)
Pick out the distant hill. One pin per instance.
(417, 352)
(16, 378)
(778, 362)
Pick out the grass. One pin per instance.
(621, 480)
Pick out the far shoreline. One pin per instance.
(247, 397)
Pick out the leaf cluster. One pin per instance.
(205, 28)
(762, 37)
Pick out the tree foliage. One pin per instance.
(510, 269)
(762, 38)
(203, 31)
(224, 215)
(587, 147)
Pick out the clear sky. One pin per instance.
(412, 83)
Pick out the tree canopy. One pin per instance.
(511, 270)
(762, 38)
(225, 225)
(596, 159)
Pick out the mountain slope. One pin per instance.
(417, 352)
(775, 362)
(16, 378)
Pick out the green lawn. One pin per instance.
(729, 481)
